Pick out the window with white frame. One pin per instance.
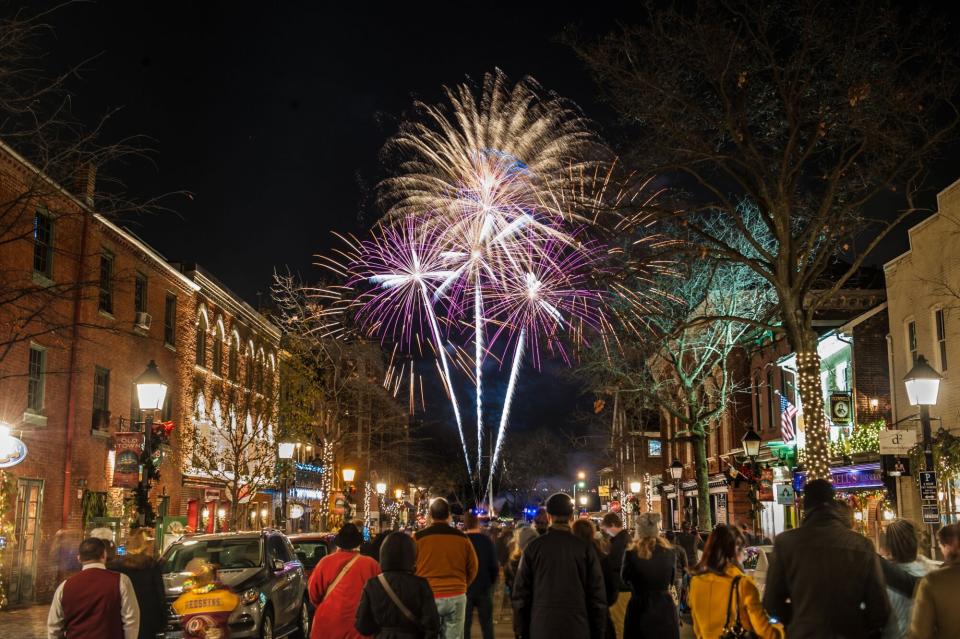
(910, 327)
(940, 329)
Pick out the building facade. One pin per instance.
(923, 286)
(85, 307)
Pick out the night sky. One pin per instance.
(273, 118)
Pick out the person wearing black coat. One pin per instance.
(378, 615)
(146, 576)
(559, 589)
(650, 567)
(825, 580)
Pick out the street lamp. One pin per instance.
(635, 487)
(581, 475)
(923, 387)
(751, 448)
(751, 444)
(285, 452)
(381, 488)
(349, 474)
(151, 393)
(398, 493)
(676, 472)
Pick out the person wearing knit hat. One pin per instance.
(650, 569)
(559, 589)
(336, 584)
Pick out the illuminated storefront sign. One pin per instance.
(848, 477)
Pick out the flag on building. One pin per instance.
(787, 412)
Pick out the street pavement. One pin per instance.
(30, 623)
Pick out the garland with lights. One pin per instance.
(946, 454)
(816, 435)
(6, 529)
(865, 438)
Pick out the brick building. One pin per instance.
(233, 376)
(85, 307)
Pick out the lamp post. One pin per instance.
(751, 448)
(285, 452)
(923, 387)
(635, 488)
(348, 474)
(676, 472)
(151, 393)
(581, 483)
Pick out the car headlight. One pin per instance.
(250, 596)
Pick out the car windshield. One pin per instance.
(310, 552)
(223, 553)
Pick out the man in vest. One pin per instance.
(96, 603)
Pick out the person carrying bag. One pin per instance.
(397, 604)
(718, 580)
(335, 586)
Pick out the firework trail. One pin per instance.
(402, 262)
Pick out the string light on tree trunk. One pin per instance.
(816, 435)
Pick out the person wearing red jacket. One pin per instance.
(336, 584)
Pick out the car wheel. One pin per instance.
(266, 626)
(303, 623)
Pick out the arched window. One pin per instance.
(218, 348)
(233, 359)
(250, 368)
(202, 328)
(260, 372)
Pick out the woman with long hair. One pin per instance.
(649, 567)
(935, 610)
(899, 544)
(721, 594)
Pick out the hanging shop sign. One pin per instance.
(897, 442)
(12, 450)
(765, 487)
(841, 409)
(126, 469)
(339, 503)
(928, 484)
(786, 496)
(848, 477)
(721, 508)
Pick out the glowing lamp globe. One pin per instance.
(381, 488)
(751, 443)
(676, 469)
(583, 500)
(398, 493)
(923, 383)
(635, 487)
(151, 388)
(285, 450)
(349, 474)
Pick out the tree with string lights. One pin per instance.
(815, 113)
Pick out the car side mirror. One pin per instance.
(278, 565)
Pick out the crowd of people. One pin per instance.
(566, 577)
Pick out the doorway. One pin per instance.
(26, 532)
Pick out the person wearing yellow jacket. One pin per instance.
(713, 604)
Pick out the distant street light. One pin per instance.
(581, 475)
(381, 488)
(398, 493)
(635, 487)
(349, 474)
(583, 500)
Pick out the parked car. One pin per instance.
(260, 567)
(310, 548)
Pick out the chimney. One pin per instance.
(85, 182)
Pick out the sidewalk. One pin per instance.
(29, 622)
